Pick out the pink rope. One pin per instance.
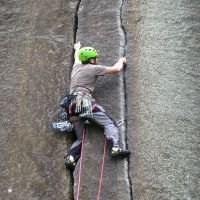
(102, 168)
(81, 160)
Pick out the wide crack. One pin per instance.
(76, 20)
(75, 30)
(125, 91)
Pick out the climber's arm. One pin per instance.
(77, 46)
(117, 67)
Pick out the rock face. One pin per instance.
(163, 81)
(157, 96)
(36, 37)
(98, 22)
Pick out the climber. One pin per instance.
(83, 77)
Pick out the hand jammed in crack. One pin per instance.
(77, 45)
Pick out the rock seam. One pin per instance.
(76, 20)
(75, 29)
(125, 43)
(124, 79)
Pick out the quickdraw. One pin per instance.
(120, 123)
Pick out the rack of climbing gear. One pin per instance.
(83, 105)
(78, 103)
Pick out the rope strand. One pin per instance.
(81, 164)
(102, 168)
(81, 160)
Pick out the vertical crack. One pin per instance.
(75, 30)
(124, 49)
(76, 20)
(123, 28)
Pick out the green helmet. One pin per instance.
(85, 53)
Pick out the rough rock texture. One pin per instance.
(34, 39)
(99, 25)
(163, 85)
(157, 95)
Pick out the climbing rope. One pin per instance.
(81, 164)
(81, 160)
(102, 168)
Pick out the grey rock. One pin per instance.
(163, 81)
(35, 39)
(157, 94)
(98, 26)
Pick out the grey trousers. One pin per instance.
(101, 118)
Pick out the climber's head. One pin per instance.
(88, 55)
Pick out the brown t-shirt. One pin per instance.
(85, 76)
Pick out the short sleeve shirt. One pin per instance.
(85, 75)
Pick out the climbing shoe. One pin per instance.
(62, 126)
(119, 152)
(70, 162)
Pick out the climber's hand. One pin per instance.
(77, 46)
(123, 60)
